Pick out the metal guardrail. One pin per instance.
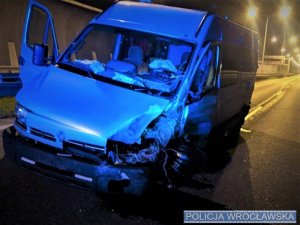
(9, 69)
(9, 77)
(10, 82)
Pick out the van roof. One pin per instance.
(153, 18)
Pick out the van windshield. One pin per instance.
(144, 62)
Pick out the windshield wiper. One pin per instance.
(90, 74)
(145, 86)
(75, 69)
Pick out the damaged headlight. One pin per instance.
(120, 153)
(21, 113)
(154, 139)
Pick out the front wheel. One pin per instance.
(227, 135)
(184, 160)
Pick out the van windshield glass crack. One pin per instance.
(147, 62)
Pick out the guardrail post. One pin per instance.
(13, 54)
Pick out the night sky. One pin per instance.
(236, 10)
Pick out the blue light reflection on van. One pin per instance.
(142, 86)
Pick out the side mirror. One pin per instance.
(40, 54)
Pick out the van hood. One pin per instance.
(108, 110)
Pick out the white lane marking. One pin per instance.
(256, 109)
(3, 127)
(277, 93)
(245, 130)
(268, 99)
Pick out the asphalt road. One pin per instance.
(262, 172)
(266, 88)
(264, 168)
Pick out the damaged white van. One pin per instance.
(140, 89)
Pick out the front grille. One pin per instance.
(86, 151)
(42, 134)
(89, 148)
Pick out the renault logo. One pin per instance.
(61, 136)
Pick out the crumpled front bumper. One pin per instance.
(102, 177)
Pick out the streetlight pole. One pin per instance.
(283, 12)
(283, 43)
(264, 46)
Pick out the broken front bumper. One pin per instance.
(102, 176)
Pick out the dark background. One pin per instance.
(237, 11)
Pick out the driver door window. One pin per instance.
(40, 32)
(205, 77)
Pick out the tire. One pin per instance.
(184, 160)
(227, 135)
(233, 136)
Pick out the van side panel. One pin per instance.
(239, 65)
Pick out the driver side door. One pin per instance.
(202, 98)
(39, 47)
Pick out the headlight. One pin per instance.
(21, 114)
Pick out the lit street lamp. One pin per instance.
(274, 39)
(284, 13)
(252, 12)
